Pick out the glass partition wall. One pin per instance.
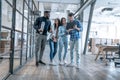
(16, 34)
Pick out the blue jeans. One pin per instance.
(63, 41)
(53, 49)
(75, 44)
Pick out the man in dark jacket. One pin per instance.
(42, 26)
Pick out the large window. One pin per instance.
(6, 22)
(10, 1)
(26, 10)
(18, 22)
(25, 26)
(16, 41)
(6, 14)
(19, 5)
(4, 52)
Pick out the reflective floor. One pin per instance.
(89, 70)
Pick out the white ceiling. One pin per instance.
(106, 22)
(58, 7)
(60, 1)
(106, 16)
(102, 18)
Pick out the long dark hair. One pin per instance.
(62, 20)
(58, 23)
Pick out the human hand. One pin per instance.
(55, 40)
(69, 30)
(75, 27)
(51, 31)
(40, 30)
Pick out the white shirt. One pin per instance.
(53, 34)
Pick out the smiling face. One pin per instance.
(71, 18)
(63, 21)
(47, 15)
(56, 21)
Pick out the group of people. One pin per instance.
(58, 33)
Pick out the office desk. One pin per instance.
(106, 48)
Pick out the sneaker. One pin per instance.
(78, 66)
(53, 63)
(1, 58)
(61, 63)
(71, 65)
(42, 62)
(65, 62)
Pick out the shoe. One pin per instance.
(71, 65)
(1, 58)
(78, 66)
(64, 62)
(61, 63)
(42, 62)
(37, 64)
(53, 63)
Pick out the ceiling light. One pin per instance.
(107, 9)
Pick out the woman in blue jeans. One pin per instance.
(53, 42)
(63, 41)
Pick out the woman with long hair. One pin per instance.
(63, 41)
(53, 41)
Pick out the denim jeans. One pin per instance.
(63, 41)
(53, 49)
(75, 44)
